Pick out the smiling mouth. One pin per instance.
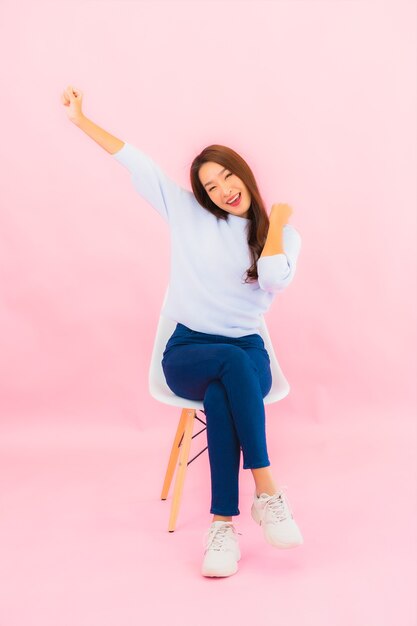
(236, 200)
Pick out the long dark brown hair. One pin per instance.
(259, 220)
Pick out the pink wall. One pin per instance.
(317, 96)
(320, 98)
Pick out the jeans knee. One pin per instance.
(238, 359)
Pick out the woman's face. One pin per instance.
(222, 185)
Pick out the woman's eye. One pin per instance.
(227, 176)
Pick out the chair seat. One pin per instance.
(159, 389)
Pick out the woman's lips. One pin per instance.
(236, 202)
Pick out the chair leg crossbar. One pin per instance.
(199, 432)
(180, 452)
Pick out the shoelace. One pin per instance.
(279, 505)
(215, 537)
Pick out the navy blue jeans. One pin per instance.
(231, 376)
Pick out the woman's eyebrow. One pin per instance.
(210, 181)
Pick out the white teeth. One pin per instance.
(233, 199)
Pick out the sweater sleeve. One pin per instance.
(275, 272)
(150, 181)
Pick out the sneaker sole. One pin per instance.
(214, 574)
(284, 545)
(220, 573)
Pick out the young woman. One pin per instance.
(228, 262)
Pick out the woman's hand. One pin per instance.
(72, 99)
(281, 212)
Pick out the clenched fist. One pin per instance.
(72, 98)
(281, 212)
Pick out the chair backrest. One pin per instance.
(159, 389)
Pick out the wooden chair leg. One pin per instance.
(182, 467)
(174, 455)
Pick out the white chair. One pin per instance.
(160, 391)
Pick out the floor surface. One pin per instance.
(84, 538)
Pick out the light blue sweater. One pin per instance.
(210, 256)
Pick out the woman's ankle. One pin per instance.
(222, 518)
(264, 481)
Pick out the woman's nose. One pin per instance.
(226, 190)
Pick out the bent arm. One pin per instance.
(276, 270)
(104, 139)
(274, 243)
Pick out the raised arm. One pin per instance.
(149, 180)
(71, 98)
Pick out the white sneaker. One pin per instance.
(273, 513)
(221, 550)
